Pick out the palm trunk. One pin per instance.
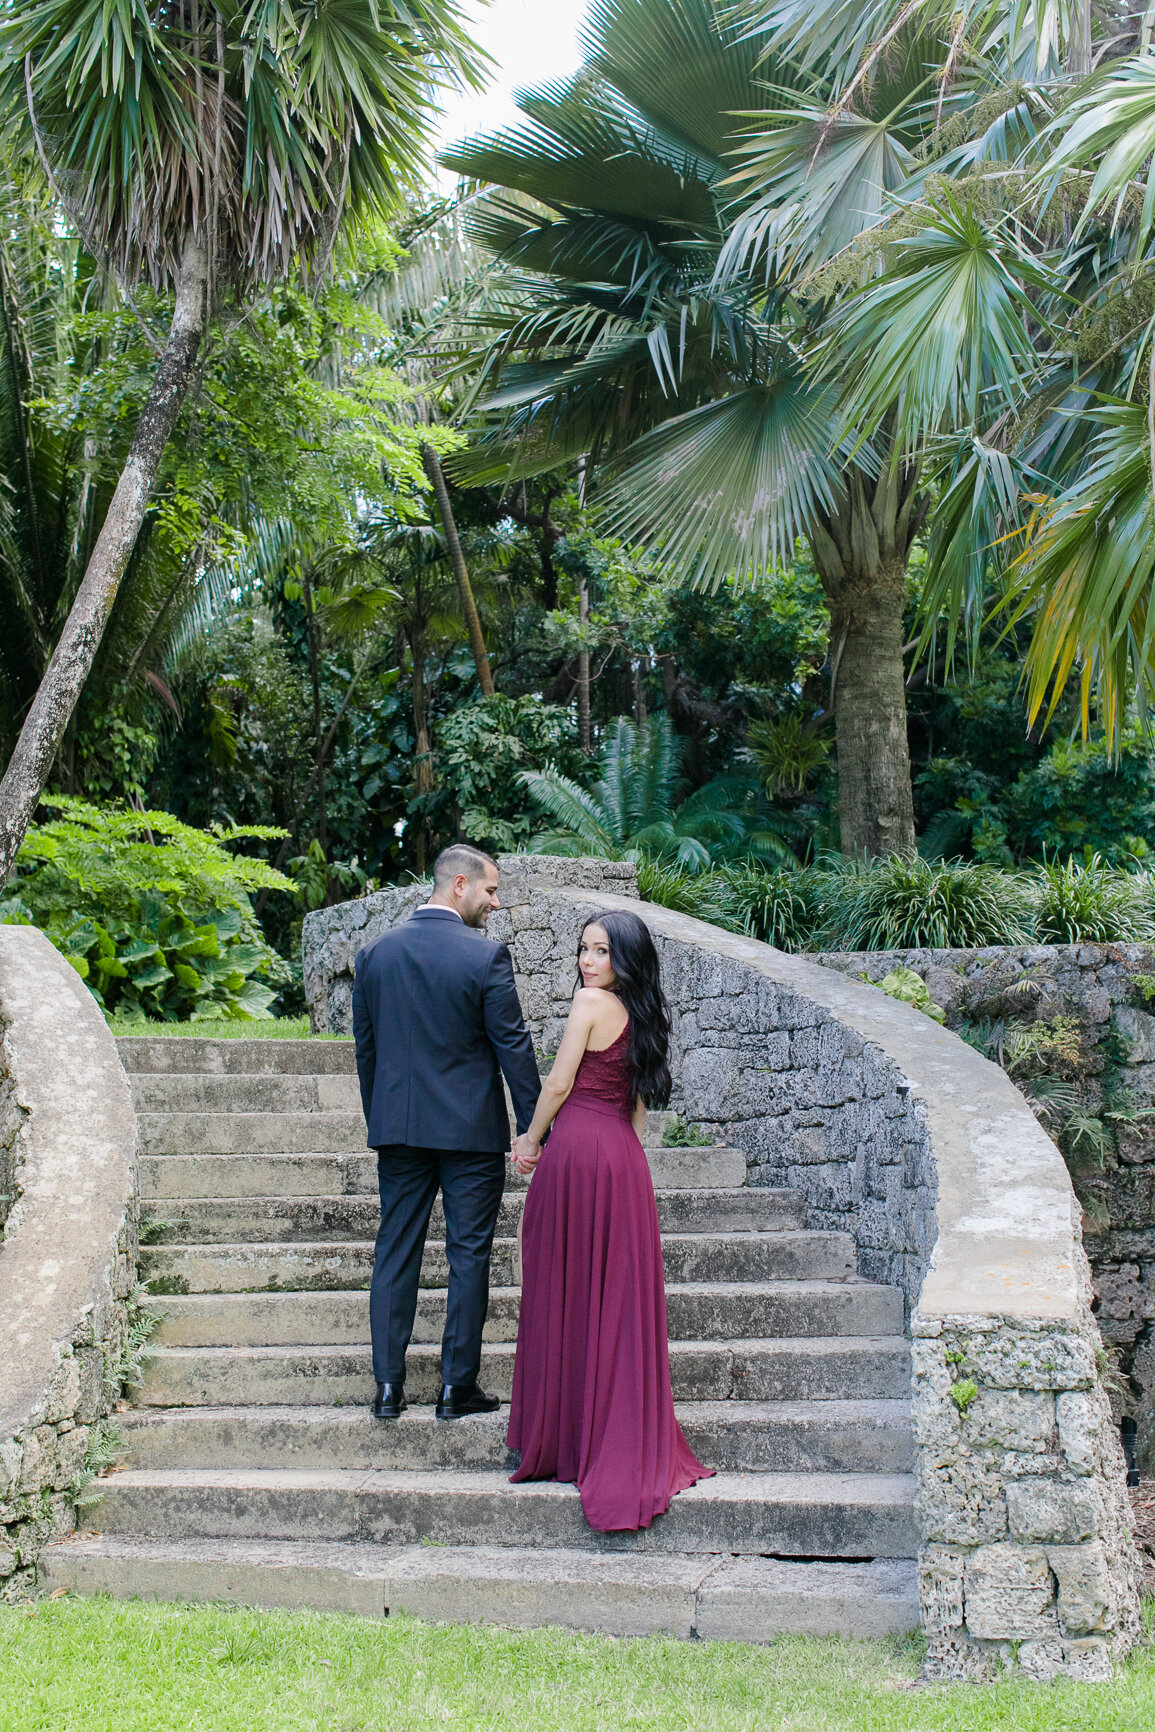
(315, 683)
(436, 476)
(422, 753)
(59, 691)
(861, 550)
(583, 680)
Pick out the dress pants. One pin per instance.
(471, 1189)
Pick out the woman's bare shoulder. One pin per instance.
(594, 996)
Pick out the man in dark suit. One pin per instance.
(435, 1014)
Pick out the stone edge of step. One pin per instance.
(711, 1596)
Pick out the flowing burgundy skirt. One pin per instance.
(591, 1384)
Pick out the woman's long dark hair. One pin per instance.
(638, 983)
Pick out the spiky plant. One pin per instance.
(1089, 903)
(906, 903)
(633, 812)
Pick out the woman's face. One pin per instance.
(594, 958)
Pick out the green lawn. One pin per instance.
(228, 1028)
(104, 1666)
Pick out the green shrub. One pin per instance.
(780, 908)
(152, 913)
(1089, 903)
(902, 903)
(681, 1134)
(705, 896)
(910, 988)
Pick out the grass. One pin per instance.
(105, 1666)
(228, 1028)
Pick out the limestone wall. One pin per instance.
(67, 1261)
(1100, 1108)
(899, 1133)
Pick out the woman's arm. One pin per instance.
(638, 1117)
(555, 1090)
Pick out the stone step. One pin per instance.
(164, 1179)
(354, 1173)
(697, 1311)
(186, 1054)
(788, 1437)
(217, 1220)
(791, 1515)
(812, 1368)
(323, 1091)
(334, 1133)
(749, 1599)
(198, 1092)
(254, 1266)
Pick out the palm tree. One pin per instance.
(420, 299)
(697, 292)
(1006, 307)
(204, 146)
(632, 811)
(625, 339)
(55, 494)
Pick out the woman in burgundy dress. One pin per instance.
(591, 1384)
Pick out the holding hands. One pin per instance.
(526, 1153)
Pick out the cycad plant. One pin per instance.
(633, 812)
(205, 146)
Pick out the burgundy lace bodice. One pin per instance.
(607, 1076)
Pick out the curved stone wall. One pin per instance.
(903, 1135)
(1093, 1004)
(67, 1260)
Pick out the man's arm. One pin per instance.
(364, 1040)
(509, 1037)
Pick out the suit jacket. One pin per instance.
(435, 1013)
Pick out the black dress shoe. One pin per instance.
(459, 1400)
(390, 1402)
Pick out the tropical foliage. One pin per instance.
(632, 810)
(154, 915)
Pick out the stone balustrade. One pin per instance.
(901, 1134)
(67, 1258)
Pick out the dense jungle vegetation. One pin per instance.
(747, 472)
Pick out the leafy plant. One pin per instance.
(705, 896)
(910, 988)
(153, 914)
(963, 1393)
(782, 908)
(105, 1445)
(680, 1134)
(632, 812)
(1089, 903)
(787, 752)
(482, 751)
(906, 903)
(124, 1368)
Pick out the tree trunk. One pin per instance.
(1079, 40)
(861, 550)
(59, 690)
(422, 753)
(315, 683)
(436, 476)
(583, 680)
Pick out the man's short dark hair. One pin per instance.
(464, 858)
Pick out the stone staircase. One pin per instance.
(254, 1473)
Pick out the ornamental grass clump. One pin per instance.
(780, 908)
(907, 903)
(1089, 903)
